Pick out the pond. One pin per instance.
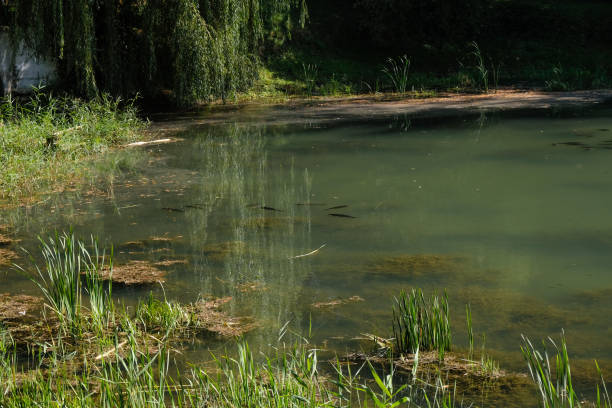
(322, 224)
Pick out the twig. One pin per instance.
(109, 352)
(308, 254)
(153, 142)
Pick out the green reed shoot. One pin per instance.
(468, 317)
(65, 259)
(398, 72)
(100, 292)
(421, 324)
(60, 281)
(481, 66)
(555, 389)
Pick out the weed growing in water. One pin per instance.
(557, 390)
(468, 317)
(65, 258)
(397, 71)
(420, 324)
(164, 315)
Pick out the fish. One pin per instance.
(341, 215)
(196, 206)
(169, 209)
(336, 207)
(269, 208)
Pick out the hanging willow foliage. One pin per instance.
(199, 49)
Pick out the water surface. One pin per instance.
(507, 212)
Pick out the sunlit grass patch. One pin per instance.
(47, 140)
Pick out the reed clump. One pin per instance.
(554, 379)
(421, 324)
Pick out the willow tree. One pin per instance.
(198, 49)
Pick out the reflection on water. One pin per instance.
(510, 215)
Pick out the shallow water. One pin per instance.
(507, 212)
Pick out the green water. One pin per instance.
(500, 210)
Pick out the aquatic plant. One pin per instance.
(66, 259)
(162, 314)
(480, 66)
(420, 324)
(397, 71)
(468, 317)
(557, 390)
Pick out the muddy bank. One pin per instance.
(321, 111)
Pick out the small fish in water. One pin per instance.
(336, 207)
(169, 209)
(342, 215)
(196, 206)
(604, 130)
(269, 208)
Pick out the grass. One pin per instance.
(555, 381)
(66, 259)
(163, 315)
(398, 73)
(421, 324)
(47, 140)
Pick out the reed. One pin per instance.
(60, 280)
(554, 380)
(421, 324)
(398, 72)
(66, 260)
(481, 66)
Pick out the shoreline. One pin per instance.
(334, 110)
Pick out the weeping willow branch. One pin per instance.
(196, 49)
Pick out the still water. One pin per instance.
(507, 212)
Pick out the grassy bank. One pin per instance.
(46, 142)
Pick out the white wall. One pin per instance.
(19, 74)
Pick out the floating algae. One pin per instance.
(337, 302)
(19, 307)
(134, 273)
(5, 241)
(7, 256)
(212, 320)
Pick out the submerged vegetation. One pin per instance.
(47, 140)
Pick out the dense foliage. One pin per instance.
(197, 49)
(437, 33)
